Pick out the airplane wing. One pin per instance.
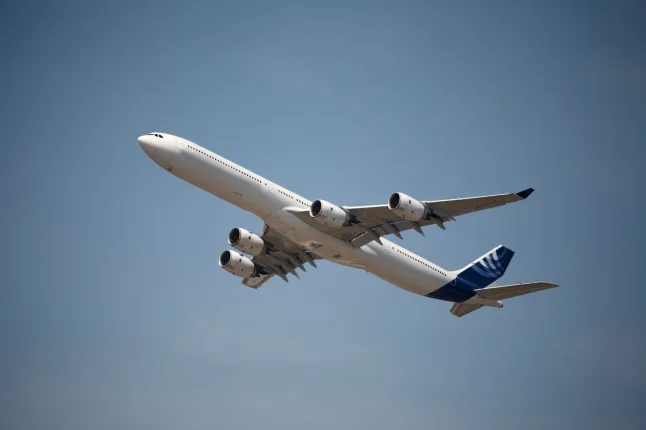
(509, 291)
(372, 222)
(282, 257)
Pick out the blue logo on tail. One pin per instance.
(488, 268)
(478, 274)
(494, 264)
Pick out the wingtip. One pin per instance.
(525, 193)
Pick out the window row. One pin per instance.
(418, 260)
(228, 165)
(292, 197)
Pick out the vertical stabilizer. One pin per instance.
(479, 274)
(487, 268)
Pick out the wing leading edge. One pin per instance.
(373, 222)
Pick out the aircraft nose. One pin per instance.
(146, 142)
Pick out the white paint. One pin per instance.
(268, 201)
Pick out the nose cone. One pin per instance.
(147, 142)
(159, 148)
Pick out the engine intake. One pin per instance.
(247, 242)
(328, 214)
(407, 207)
(237, 264)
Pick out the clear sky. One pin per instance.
(115, 315)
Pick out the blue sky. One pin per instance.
(114, 313)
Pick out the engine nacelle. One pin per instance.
(407, 207)
(328, 214)
(247, 242)
(237, 264)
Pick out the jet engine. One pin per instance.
(407, 207)
(247, 242)
(328, 214)
(237, 264)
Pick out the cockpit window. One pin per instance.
(156, 135)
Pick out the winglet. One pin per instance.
(525, 193)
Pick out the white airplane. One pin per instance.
(299, 231)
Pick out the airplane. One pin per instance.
(297, 231)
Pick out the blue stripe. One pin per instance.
(454, 291)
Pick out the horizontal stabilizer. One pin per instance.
(461, 309)
(509, 291)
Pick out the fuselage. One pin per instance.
(269, 201)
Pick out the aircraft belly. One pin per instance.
(403, 278)
(387, 264)
(374, 258)
(316, 241)
(377, 259)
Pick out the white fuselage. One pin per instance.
(268, 201)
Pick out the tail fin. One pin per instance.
(487, 268)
